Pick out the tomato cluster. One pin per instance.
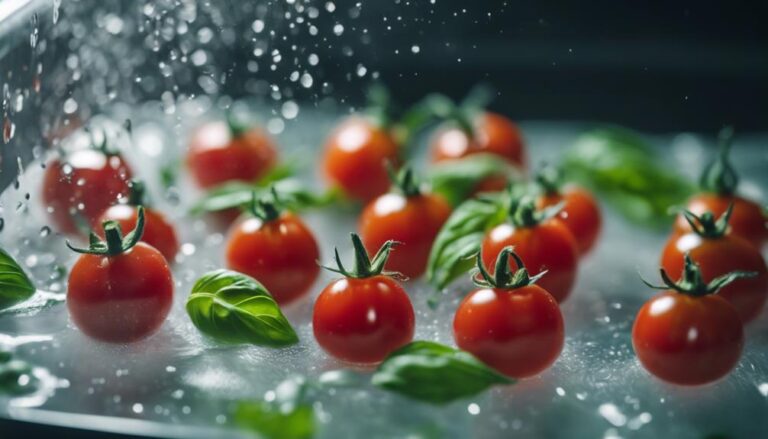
(689, 335)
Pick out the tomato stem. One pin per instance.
(692, 281)
(266, 208)
(719, 176)
(705, 224)
(404, 180)
(365, 267)
(503, 277)
(114, 242)
(523, 213)
(549, 179)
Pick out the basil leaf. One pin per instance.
(293, 195)
(234, 308)
(461, 236)
(435, 373)
(11, 372)
(287, 416)
(624, 169)
(457, 179)
(15, 286)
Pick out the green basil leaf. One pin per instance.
(435, 373)
(293, 195)
(461, 236)
(287, 416)
(234, 308)
(626, 171)
(15, 286)
(11, 372)
(457, 179)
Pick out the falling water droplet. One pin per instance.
(56, 7)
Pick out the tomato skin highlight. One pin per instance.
(282, 254)
(355, 157)
(363, 320)
(518, 332)
(547, 246)
(121, 298)
(580, 213)
(87, 177)
(158, 232)
(747, 219)
(217, 156)
(494, 133)
(412, 221)
(688, 340)
(718, 256)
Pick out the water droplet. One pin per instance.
(473, 409)
(258, 26)
(56, 7)
(330, 7)
(338, 29)
(306, 80)
(290, 110)
(313, 59)
(45, 231)
(138, 408)
(415, 49)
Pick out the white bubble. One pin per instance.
(338, 29)
(275, 125)
(415, 49)
(306, 80)
(313, 59)
(290, 110)
(330, 7)
(361, 70)
(258, 26)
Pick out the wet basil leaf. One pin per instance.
(461, 236)
(624, 170)
(287, 416)
(456, 180)
(435, 373)
(234, 308)
(15, 286)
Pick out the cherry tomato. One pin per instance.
(121, 294)
(493, 133)
(516, 329)
(158, 232)
(718, 256)
(547, 245)
(364, 316)
(218, 154)
(580, 213)
(78, 187)
(747, 220)
(355, 158)
(688, 340)
(281, 253)
(409, 217)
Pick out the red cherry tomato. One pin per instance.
(718, 256)
(364, 316)
(363, 320)
(493, 133)
(158, 232)
(413, 221)
(355, 158)
(120, 291)
(217, 155)
(688, 340)
(518, 332)
(747, 220)
(280, 253)
(580, 213)
(77, 188)
(548, 246)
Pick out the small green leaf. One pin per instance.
(234, 308)
(16, 376)
(624, 170)
(287, 416)
(456, 180)
(15, 286)
(461, 236)
(435, 373)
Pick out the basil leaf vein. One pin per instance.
(234, 308)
